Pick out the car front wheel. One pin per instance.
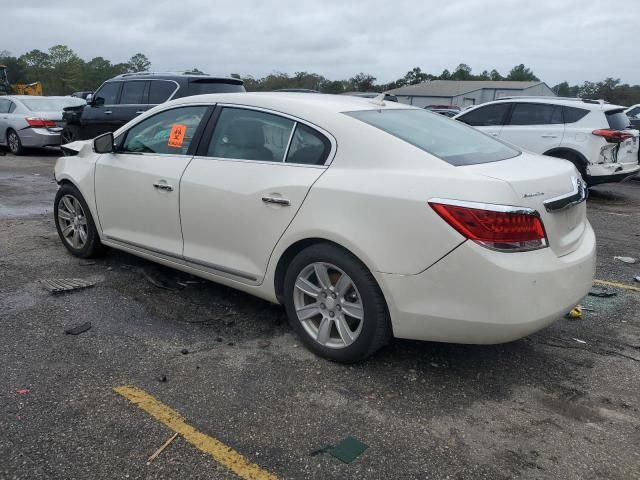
(335, 305)
(74, 223)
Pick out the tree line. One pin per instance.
(62, 71)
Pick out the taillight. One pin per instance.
(498, 227)
(40, 122)
(611, 135)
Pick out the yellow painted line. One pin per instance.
(624, 286)
(223, 454)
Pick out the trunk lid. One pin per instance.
(537, 179)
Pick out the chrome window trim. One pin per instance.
(286, 151)
(578, 194)
(493, 207)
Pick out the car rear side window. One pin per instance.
(573, 114)
(617, 119)
(108, 94)
(160, 91)
(308, 147)
(486, 116)
(133, 93)
(535, 114)
(12, 107)
(452, 142)
(168, 132)
(201, 86)
(244, 134)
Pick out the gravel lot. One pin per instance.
(563, 403)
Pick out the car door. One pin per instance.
(245, 185)
(537, 127)
(97, 116)
(137, 188)
(487, 118)
(5, 105)
(133, 102)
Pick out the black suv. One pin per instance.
(122, 98)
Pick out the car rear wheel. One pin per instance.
(335, 305)
(74, 223)
(14, 143)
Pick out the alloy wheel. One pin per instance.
(73, 222)
(328, 305)
(14, 142)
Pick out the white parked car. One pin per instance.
(595, 136)
(366, 219)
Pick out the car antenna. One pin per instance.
(379, 100)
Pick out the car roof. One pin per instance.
(174, 76)
(294, 103)
(585, 104)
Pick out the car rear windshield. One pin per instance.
(210, 85)
(447, 139)
(48, 104)
(617, 119)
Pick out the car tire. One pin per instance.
(321, 321)
(74, 223)
(14, 143)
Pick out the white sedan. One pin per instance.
(366, 219)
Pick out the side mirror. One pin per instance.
(104, 143)
(89, 99)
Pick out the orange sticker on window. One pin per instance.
(176, 137)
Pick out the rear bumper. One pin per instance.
(475, 295)
(600, 175)
(39, 137)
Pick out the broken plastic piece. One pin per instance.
(78, 329)
(626, 259)
(578, 340)
(59, 285)
(576, 312)
(22, 391)
(601, 292)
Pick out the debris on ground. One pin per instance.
(59, 285)
(229, 323)
(162, 448)
(601, 292)
(158, 279)
(78, 329)
(578, 340)
(184, 351)
(348, 449)
(162, 378)
(636, 279)
(86, 263)
(575, 313)
(263, 343)
(22, 391)
(231, 344)
(626, 259)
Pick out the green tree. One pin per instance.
(445, 75)
(462, 72)
(138, 63)
(495, 75)
(362, 82)
(520, 73)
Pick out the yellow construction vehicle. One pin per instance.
(17, 88)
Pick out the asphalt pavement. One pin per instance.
(563, 403)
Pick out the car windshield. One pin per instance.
(451, 141)
(50, 104)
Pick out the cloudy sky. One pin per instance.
(572, 40)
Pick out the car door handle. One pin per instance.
(163, 186)
(139, 112)
(549, 136)
(107, 112)
(276, 200)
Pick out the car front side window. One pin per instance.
(108, 94)
(4, 105)
(250, 135)
(168, 132)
